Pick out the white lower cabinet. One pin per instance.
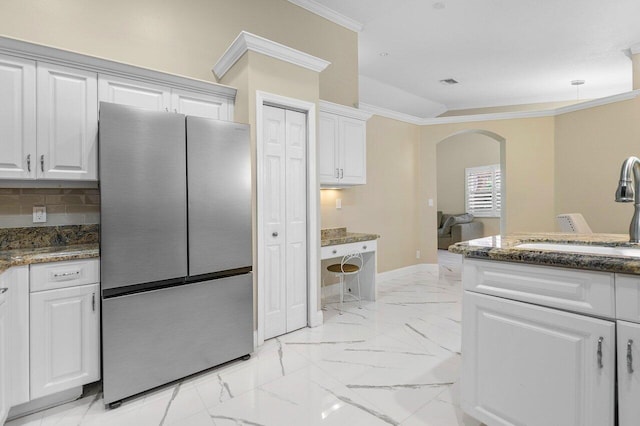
(4, 352)
(530, 365)
(628, 373)
(65, 339)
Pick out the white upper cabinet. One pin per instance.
(133, 93)
(200, 105)
(158, 98)
(342, 145)
(49, 102)
(17, 118)
(67, 123)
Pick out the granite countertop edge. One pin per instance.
(503, 249)
(350, 237)
(21, 257)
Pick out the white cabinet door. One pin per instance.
(67, 123)
(342, 150)
(17, 278)
(353, 151)
(529, 365)
(133, 93)
(200, 105)
(4, 349)
(17, 118)
(328, 149)
(628, 373)
(65, 339)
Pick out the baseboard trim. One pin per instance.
(317, 319)
(407, 270)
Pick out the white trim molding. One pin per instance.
(52, 55)
(501, 115)
(247, 41)
(330, 14)
(314, 315)
(407, 270)
(345, 111)
(394, 115)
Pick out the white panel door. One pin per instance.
(67, 123)
(529, 365)
(17, 118)
(274, 222)
(133, 93)
(296, 219)
(328, 167)
(4, 349)
(353, 167)
(628, 341)
(199, 105)
(284, 219)
(65, 339)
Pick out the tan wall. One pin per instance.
(453, 156)
(590, 146)
(386, 205)
(184, 37)
(528, 173)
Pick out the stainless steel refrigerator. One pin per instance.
(175, 247)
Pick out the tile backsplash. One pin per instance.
(65, 206)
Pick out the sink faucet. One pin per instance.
(625, 194)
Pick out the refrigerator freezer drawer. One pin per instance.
(156, 337)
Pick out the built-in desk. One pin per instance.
(335, 243)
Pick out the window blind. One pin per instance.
(482, 190)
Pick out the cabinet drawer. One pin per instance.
(328, 252)
(628, 297)
(578, 291)
(49, 276)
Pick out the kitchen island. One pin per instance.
(551, 329)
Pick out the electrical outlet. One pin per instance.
(39, 214)
(430, 202)
(417, 254)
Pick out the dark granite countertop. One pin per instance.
(335, 236)
(18, 257)
(24, 246)
(503, 249)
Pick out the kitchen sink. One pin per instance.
(584, 249)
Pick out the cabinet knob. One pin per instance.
(364, 247)
(275, 234)
(337, 173)
(29, 163)
(341, 173)
(3, 290)
(334, 251)
(629, 357)
(42, 163)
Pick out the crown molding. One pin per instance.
(501, 115)
(345, 111)
(247, 41)
(38, 52)
(383, 112)
(598, 102)
(330, 14)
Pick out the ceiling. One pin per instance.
(502, 52)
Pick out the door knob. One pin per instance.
(275, 234)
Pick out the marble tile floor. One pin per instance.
(395, 361)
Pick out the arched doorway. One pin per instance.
(471, 150)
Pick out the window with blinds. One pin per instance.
(482, 190)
